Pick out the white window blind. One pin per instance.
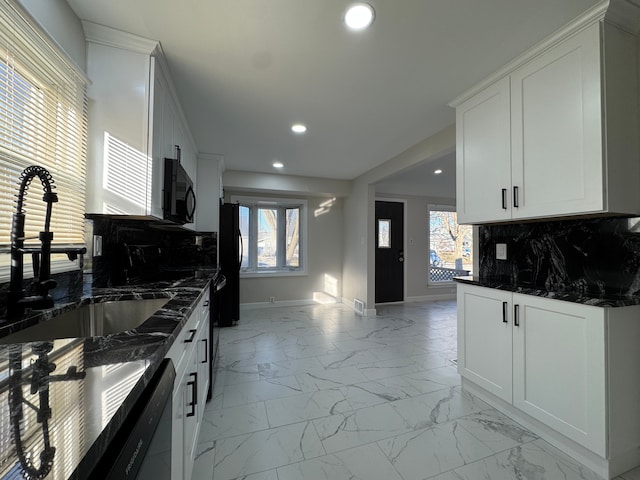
(43, 121)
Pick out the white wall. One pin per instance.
(59, 21)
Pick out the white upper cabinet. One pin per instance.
(556, 135)
(483, 155)
(135, 122)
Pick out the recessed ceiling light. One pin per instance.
(437, 172)
(359, 16)
(298, 128)
(278, 164)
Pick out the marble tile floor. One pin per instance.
(319, 393)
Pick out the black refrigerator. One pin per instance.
(230, 259)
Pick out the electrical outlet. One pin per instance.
(501, 251)
(97, 245)
(272, 299)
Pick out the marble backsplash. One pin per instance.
(138, 250)
(69, 288)
(595, 256)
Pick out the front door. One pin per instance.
(389, 252)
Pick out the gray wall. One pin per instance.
(417, 247)
(358, 268)
(323, 281)
(59, 21)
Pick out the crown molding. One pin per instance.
(595, 14)
(96, 33)
(624, 14)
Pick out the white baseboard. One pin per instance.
(279, 303)
(431, 298)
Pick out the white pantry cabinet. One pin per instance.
(189, 354)
(568, 367)
(555, 136)
(135, 121)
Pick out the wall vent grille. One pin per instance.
(358, 306)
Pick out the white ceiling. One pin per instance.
(245, 70)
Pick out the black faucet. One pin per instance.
(41, 256)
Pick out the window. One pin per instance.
(450, 245)
(43, 113)
(272, 235)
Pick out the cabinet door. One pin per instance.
(484, 338)
(203, 358)
(190, 424)
(177, 428)
(559, 367)
(557, 152)
(483, 162)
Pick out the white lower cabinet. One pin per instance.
(569, 368)
(559, 367)
(189, 354)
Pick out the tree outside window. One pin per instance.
(271, 236)
(450, 244)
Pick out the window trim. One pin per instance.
(279, 202)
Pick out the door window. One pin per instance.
(384, 233)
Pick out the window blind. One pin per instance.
(43, 121)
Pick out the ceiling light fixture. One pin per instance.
(359, 16)
(437, 172)
(298, 128)
(278, 164)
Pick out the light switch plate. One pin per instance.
(501, 251)
(97, 245)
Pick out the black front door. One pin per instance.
(389, 252)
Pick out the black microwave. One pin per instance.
(179, 198)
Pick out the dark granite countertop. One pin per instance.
(93, 385)
(603, 300)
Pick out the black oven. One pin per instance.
(142, 447)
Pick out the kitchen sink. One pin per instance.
(91, 320)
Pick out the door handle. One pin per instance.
(401, 256)
(505, 307)
(241, 249)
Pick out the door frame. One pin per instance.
(403, 201)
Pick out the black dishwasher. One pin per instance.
(142, 447)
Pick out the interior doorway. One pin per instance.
(389, 238)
